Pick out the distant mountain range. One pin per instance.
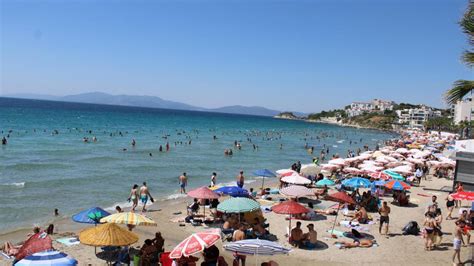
(147, 101)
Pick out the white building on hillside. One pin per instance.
(464, 110)
(376, 105)
(416, 117)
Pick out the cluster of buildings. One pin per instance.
(416, 117)
(376, 105)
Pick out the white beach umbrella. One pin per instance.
(296, 180)
(330, 167)
(310, 169)
(284, 171)
(338, 161)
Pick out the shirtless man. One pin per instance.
(213, 179)
(311, 238)
(240, 179)
(183, 182)
(239, 234)
(384, 212)
(457, 241)
(296, 235)
(144, 194)
(361, 216)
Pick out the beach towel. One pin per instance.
(346, 223)
(68, 241)
(3, 254)
(266, 209)
(335, 232)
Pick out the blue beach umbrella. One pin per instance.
(394, 175)
(232, 191)
(379, 183)
(356, 182)
(325, 181)
(264, 173)
(90, 216)
(50, 258)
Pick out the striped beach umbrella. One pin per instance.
(48, 258)
(256, 247)
(130, 218)
(107, 234)
(238, 205)
(195, 243)
(463, 195)
(394, 175)
(397, 185)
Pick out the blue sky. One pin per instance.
(287, 55)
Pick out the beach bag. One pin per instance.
(411, 228)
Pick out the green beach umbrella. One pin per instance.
(325, 181)
(238, 205)
(394, 175)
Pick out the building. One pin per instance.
(464, 171)
(463, 111)
(416, 117)
(376, 105)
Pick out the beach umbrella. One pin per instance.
(195, 243)
(379, 183)
(325, 181)
(256, 247)
(330, 167)
(356, 182)
(403, 169)
(296, 191)
(203, 193)
(380, 175)
(341, 198)
(129, 218)
(309, 169)
(238, 205)
(36, 243)
(397, 185)
(463, 195)
(232, 191)
(352, 170)
(394, 175)
(338, 161)
(107, 234)
(48, 258)
(284, 171)
(264, 173)
(296, 180)
(90, 216)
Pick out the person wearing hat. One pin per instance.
(310, 238)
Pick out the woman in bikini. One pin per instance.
(430, 224)
(134, 197)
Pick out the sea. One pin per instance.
(47, 165)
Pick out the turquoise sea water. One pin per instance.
(41, 170)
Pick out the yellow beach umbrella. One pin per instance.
(107, 235)
(130, 218)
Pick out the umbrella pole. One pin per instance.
(289, 230)
(334, 225)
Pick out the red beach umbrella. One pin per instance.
(342, 198)
(380, 175)
(463, 195)
(36, 243)
(203, 193)
(195, 243)
(289, 207)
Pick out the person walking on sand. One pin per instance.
(213, 179)
(384, 218)
(133, 197)
(457, 241)
(144, 194)
(450, 205)
(183, 182)
(240, 179)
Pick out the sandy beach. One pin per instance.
(397, 249)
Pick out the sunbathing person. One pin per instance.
(361, 216)
(363, 243)
(194, 207)
(257, 228)
(10, 249)
(329, 211)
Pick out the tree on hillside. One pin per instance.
(461, 88)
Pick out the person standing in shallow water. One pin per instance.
(240, 179)
(183, 181)
(144, 195)
(4, 141)
(133, 197)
